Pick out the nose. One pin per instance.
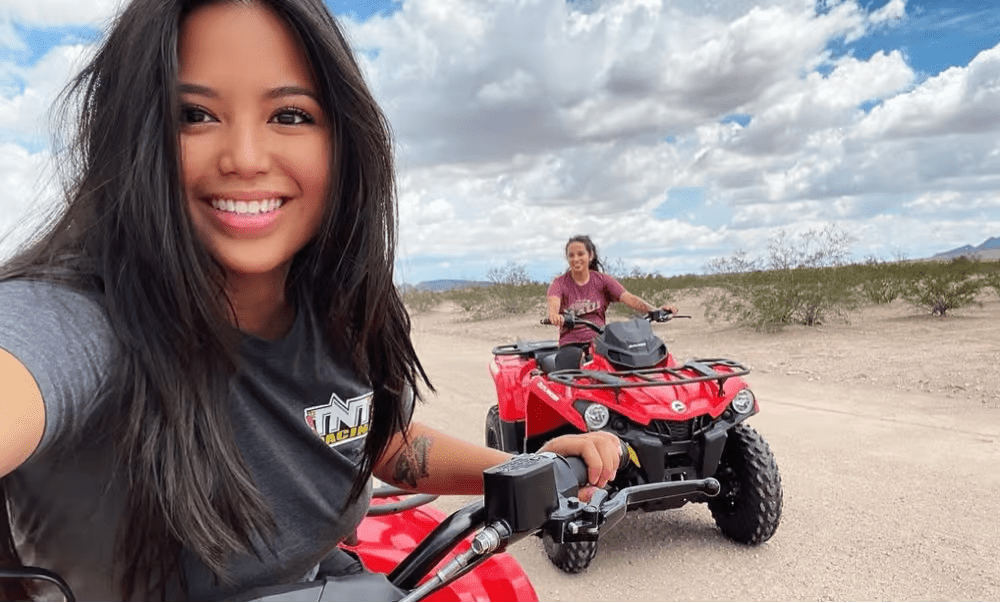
(245, 151)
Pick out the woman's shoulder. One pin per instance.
(604, 277)
(64, 338)
(33, 299)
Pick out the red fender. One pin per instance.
(384, 542)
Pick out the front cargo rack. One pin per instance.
(704, 367)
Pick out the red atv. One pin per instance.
(418, 554)
(680, 422)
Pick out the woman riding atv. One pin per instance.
(586, 291)
(205, 360)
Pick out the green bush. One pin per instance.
(805, 282)
(992, 280)
(418, 302)
(483, 303)
(882, 282)
(770, 300)
(653, 288)
(943, 286)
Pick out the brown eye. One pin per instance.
(195, 115)
(292, 116)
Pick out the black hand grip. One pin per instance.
(578, 469)
(570, 473)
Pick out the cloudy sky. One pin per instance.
(671, 131)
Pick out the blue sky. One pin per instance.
(672, 131)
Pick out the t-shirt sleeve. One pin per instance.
(556, 288)
(613, 287)
(65, 341)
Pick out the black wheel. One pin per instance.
(493, 428)
(748, 508)
(570, 557)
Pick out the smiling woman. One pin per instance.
(255, 152)
(205, 359)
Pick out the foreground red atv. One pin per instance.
(418, 554)
(680, 421)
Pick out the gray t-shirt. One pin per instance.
(299, 417)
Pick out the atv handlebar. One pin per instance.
(571, 320)
(528, 494)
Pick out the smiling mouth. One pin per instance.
(248, 208)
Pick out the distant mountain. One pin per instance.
(987, 250)
(448, 285)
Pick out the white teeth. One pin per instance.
(247, 208)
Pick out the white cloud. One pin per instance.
(521, 123)
(892, 11)
(61, 12)
(26, 113)
(598, 114)
(959, 100)
(29, 195)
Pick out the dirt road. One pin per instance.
(890, 467)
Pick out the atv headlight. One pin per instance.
(743, 401)
(596, 416)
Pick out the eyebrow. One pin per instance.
(273, 93)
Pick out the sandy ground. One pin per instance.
(886, 431)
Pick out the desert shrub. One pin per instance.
(943, 286)
(483, 303)
(652, 287)
(511, 292)
(418, 302)
(685, 282)
(769, 300)
(509, 274)
(992, 281)
(802, 281)
(881, 282)
(991, 275)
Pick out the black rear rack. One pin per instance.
(526, 349)
(653, 377)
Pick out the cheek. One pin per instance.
(312, 163)
(194, 158)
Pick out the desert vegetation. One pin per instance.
(805, 279)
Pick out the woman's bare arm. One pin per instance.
(436, 463)
(554, 316)
(22, 414)
(637, 303)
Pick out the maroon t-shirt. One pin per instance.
(589, 301)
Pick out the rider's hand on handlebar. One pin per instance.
(556, 319)
(600, 450)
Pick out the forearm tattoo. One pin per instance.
(411, 462)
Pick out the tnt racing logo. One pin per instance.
(338, 422)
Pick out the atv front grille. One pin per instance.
(677, 431)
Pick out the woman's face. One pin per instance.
(578, 257)
(255, 143)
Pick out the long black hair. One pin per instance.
(595, 262)
(126, 236)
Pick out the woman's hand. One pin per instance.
(669, 308)
(600, 450)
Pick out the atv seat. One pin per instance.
(565, 358)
